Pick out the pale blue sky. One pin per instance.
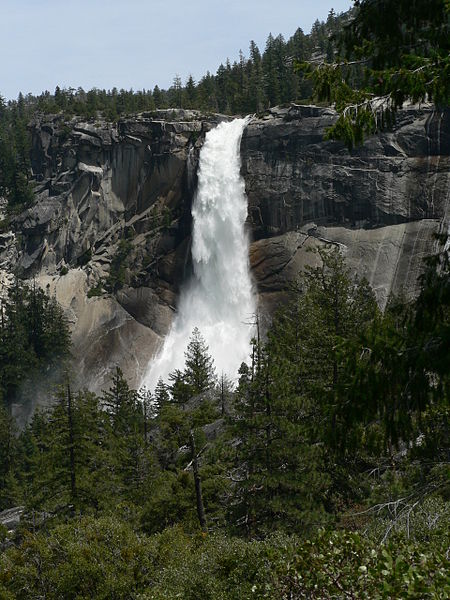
(136, 43)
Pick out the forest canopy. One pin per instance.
(335, 439)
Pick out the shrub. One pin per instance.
(118, 269)
(337, 564)
(91, 558)
(96, 290)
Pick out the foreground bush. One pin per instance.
(105, 559)
(92, 558)
(348, 565)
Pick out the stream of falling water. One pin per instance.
(219, 298)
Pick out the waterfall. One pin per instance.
(218, 299)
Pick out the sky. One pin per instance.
(136, 43)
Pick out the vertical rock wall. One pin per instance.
(382, 202)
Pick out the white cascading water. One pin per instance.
(219, 299)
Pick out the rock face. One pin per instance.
(10, 518)
(381, 202)
(99, 183)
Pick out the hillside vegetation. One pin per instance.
(324, 473)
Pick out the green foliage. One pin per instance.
(179, 388)
(118, 269)
(340, 419)
(95, 291)
(338, 563)
(199, 370)
(120, 402)
(171, 502)
(131, 460)
(161, 396)
(34, 337)
(399, 365)
(286, 402)
(9, 489)
(382, 63)
(62, 459)
(87, 453)
(104, 558)
(198, 375)
(91, 558)
(14, 155)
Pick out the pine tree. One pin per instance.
(287, 402)
(161, 395)
(158, 97)
(34, 337)
(273, 425)
(9, 489)
(225, 388)
(207, 93)
(199, 370)
(270, 65)
(120, 402)
(149, 410)
(176, 92)
(399, 365)
(257, 99)
(129, 450)
(64, 455)
(190, 93)
(180, 390)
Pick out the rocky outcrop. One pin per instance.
(8, 249)
(381, 202)
(99, 183)
(95, 180)
(10, 518)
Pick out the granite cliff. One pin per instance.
(381, 202)
(99, 183)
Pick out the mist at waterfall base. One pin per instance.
(219, 298)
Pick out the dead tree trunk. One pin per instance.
(198, 484)
(73, 487)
